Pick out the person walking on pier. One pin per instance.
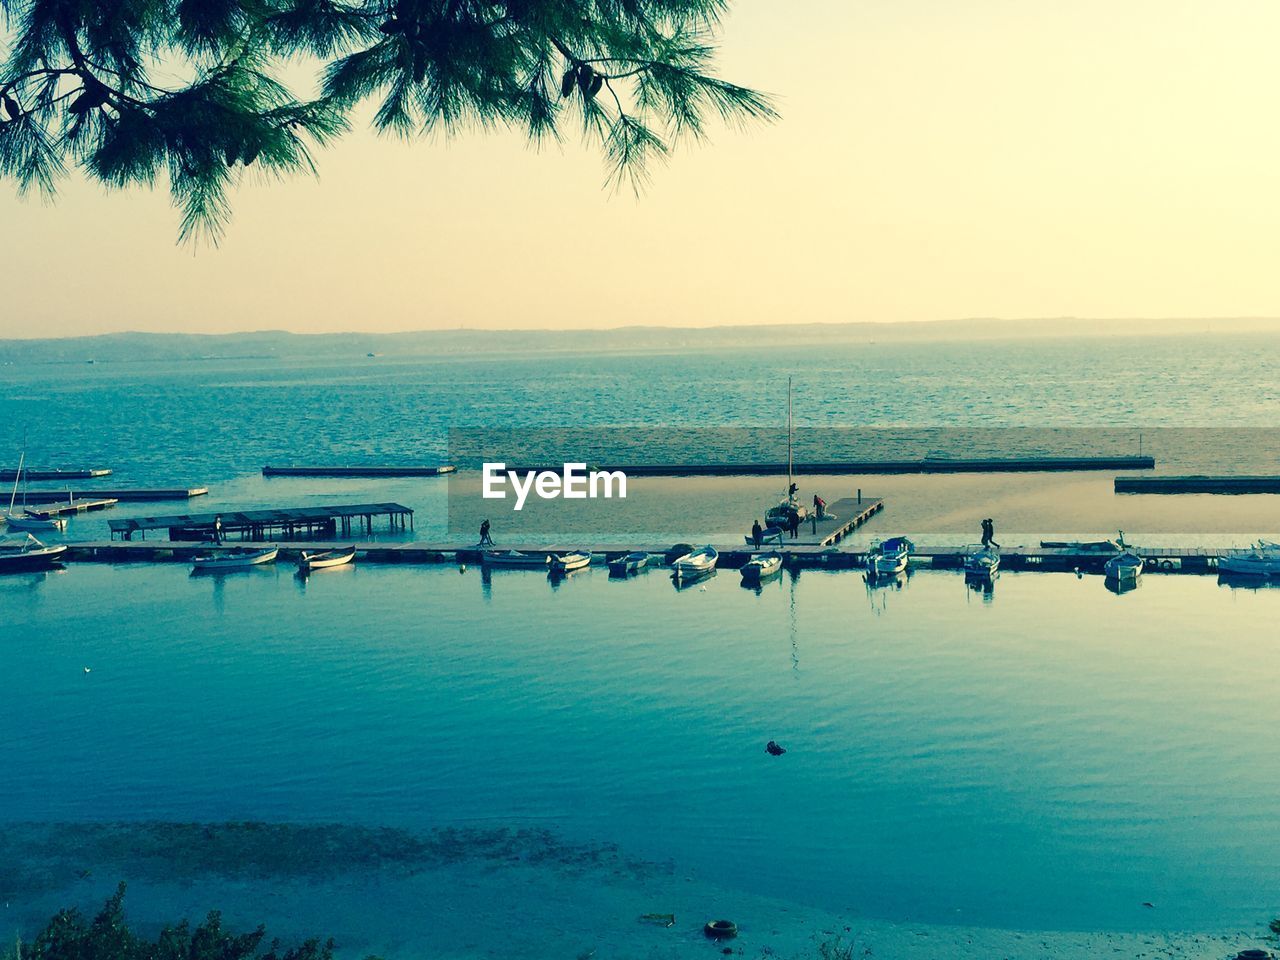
(757, 533)
(989, 533)
(484, 533)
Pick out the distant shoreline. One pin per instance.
(442, 343)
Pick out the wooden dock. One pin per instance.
(288, 523)
(861, 467)
(358, 471)
(132, 494)
(1161, 560)
(1199, 484)
(8, 476)
(849, 514)
(68, 507)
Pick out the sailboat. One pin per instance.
(780, 516)
(29, 521)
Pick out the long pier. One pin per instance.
(133, 493)
(1198, 484)
(89, 474)
(863, 467)
(358, 471)
(1160, 559)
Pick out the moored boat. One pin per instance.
(695, 563)
(981, 561)
(234, 559)
(514, 558)
(628, 563)
(889, 557)
(1260, 560)
(761, 567)
(36, 523)
(323, 561)
(28, 553)
(28, 520)
(562, 563)
(1124, 567)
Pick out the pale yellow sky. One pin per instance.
(935, 159)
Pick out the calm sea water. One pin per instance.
(210, 421)
(1050, 756)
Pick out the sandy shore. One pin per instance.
(485, 893)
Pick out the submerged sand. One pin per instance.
(484, 892)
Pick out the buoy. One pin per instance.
(721, 929)
(86, 669)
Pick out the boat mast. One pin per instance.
(16, 477)
(789, 481)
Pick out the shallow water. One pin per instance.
(1050, 756)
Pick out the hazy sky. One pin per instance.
(935, 159)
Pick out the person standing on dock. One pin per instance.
(217, 529)
(757, 533)
(793, 523)
(484, 533)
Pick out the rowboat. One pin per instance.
(695, 563)
(514, 558)
(761, 567)
(1260, 560)
(322, 561)
(628, 563)
(1124, 567)
(562, 563)
(234, 559)
(887, 557)
(981, 561)
(767, 534)
(28, 553)
(1086, 546)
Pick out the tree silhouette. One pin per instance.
(135, 90)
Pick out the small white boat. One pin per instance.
(234, 559)
(28, 553)
(562, 563)
(695, 563)
(322, 561)
(1124, 567)
(514, 558)
(980, 561)
(1260, 560)
(889, 557)
(761, 567)
(628, 563)
(1086, 546)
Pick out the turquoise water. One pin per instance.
(1051, 756)
(208, 422)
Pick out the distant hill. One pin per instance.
(125, 347)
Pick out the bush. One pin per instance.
(107, 937)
